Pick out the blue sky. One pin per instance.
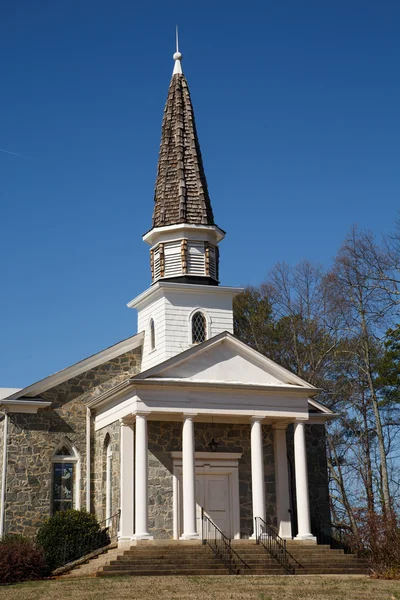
(297, 108)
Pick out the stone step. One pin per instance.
(163, 572)
(161, 565)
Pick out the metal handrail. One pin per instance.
(339, 542)
(268, 537)
(220, 544)
(106, 534)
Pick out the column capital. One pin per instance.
(279, 426)
(255, 419)
(189, 415)
(142, 413)
(127, 421)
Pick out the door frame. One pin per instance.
(209, 463)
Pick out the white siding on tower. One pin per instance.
(171, 308)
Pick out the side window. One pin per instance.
(199, 328)
(64, 472)
(152, 335)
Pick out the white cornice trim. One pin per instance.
(201, 383)
(80, 367)
(180, 228)
(23, 406)
(321, 407)
(164, 286)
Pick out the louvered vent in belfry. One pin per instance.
(213, 263)
(156, 264)
(173, 259)
(196, 258)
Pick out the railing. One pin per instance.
(221, 546)
(104, 536)
(333, 535)
(268, 537)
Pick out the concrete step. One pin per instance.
(163, 572)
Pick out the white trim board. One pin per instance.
(80, 367)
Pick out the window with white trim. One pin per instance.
(65, 485)
(199, 328)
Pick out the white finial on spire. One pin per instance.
(177, 57)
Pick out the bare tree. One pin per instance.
(363, 305)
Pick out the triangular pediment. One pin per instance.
(224, 359)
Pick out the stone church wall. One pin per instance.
(109, 434)
(34, 438)
(165, 437)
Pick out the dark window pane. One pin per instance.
(63, 486)
(199, 328)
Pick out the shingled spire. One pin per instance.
(181, 193)
(184, 238)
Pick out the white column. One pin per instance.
(141, 480)
(257, 470)
(303, 502)
(188, 480)
(282, 482)
(126, 482)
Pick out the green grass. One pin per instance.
(322, 587)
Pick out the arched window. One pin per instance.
(65, 474)
(152, 335)
(199, 328)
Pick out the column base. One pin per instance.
(190, 536)
(307, 537)
(124, 542)
(142, 536)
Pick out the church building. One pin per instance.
(180, 419)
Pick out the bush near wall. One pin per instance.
(378, 539)
(20, 559)
(69, 535)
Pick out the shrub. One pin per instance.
(378, 539)
(20, 559)
(66, 536)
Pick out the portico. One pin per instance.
(184, 394)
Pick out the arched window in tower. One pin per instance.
(152, 335)
(65, 472)
(199, 328)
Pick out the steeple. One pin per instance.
(181, 192)
(184, 236)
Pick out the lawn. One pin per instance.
(318, 587)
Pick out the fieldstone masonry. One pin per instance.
(165, 437)
(101, 439)
(34, 438)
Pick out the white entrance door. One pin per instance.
(213, 494)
